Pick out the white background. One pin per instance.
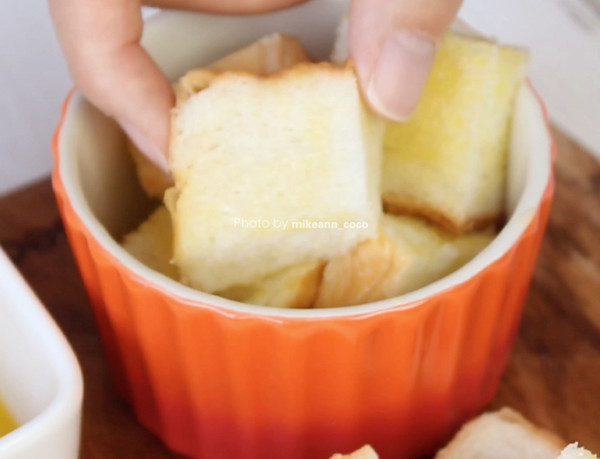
(564, 36)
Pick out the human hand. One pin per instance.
(393, 44)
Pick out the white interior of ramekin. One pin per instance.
(99, 177)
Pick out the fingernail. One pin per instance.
(146, 146)
(400, 74)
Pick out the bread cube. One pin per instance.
(267, 55)
(449, 162)
(271, 172)
(152, 243)
(409, 254)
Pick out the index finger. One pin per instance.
(101, 41)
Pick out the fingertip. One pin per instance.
(400, 74)
(128, 86)
(393, 44)
(146, 146)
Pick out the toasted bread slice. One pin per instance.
(449, 162)
(504, 434)
(409, 253)
(271, 172)
(267, 55)
(366, 452)
(152, 243)
(293, 287)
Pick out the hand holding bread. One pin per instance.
(101, 40)
(376, 372)
(277, 167)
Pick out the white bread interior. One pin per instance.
(574, 451)
(152, 243)
(409, 253)
(267, 55)
(251, 153)
(504, 434)
(366, 452)
(293, 287)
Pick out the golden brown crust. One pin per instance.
(369, 272)
(309, 289)
(192, 82)
(199, 79)
(264, 56)
(392, 205)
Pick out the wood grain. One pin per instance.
(553, 377)
(32, 234)
(554, 374)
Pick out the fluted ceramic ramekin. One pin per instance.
(219, 379)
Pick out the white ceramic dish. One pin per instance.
(40, 379)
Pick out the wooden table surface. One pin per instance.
(553, 377)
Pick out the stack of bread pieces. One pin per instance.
(287, 191)
(503, 434)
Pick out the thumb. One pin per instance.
(393, 44)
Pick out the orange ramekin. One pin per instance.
(219, 379)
